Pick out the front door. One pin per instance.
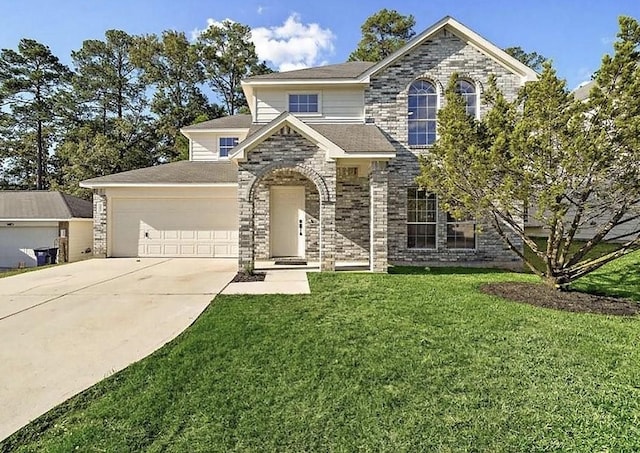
(287, 221)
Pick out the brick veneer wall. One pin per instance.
(352, 217)
(386, 104)
(99, 223)
(286, 177)
(286, 149)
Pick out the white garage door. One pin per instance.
(157, 227)
(17, 243)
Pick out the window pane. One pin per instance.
(461, 236)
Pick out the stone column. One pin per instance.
(246, 253)
(328, 235)
(99, 223)
(378, 189)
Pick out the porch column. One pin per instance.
(378, 189)
(99, 223)
(328, 235)
(246, 253)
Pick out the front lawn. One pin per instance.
(369, 363)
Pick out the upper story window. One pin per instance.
(304, 103)
(225, 145)
(423, 106)
(467, 90)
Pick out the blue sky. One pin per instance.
(292, 34)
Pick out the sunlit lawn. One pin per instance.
(373, 363)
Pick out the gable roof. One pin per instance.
(337, 140)
(467, 35)
(42, 205)
(204, 173)
(348, 70)
(225, 122)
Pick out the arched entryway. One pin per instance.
(288, 213)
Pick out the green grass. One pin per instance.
(369, 363)
(11, 272)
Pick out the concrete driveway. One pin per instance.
(63, 329)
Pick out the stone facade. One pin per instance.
(298, 157)
(386, 104)
(262, 224)
(352, 216)
(99, 223)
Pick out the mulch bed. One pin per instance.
(574, 301)
(243, 277)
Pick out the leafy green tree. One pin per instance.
(532, 59)
(382, 34)
(30, 82)
(574, 162)
(109, 108)
(228, 56)
(171, 65)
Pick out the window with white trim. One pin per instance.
(467, 90)
(461, 234)
(304, 103)
(421, 219)
(422, 111)
(225, 145)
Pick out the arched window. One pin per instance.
(468, 92)
(423, 104)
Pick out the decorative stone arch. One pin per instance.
(475, 82)
(309, 173)
(427, 78)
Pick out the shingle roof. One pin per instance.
(34, 205)
(182, 172)
(583, 91)
(352, 138)
(355, 138)
(349, 70)
(226, 122)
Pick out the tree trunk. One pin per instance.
(40, 158)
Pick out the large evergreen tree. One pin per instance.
(228, 56)
(31, 79)
(532, 59)
(573, 162)
(109, 110)
(382, 34)
(171, 65)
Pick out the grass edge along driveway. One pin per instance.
(369, 363)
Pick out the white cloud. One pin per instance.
(210, 23)
(607, 40)
(260, 9)
(292, 45)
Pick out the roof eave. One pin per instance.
(104, 185)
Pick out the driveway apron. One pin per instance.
(62, 329)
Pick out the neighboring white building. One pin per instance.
(40, 219)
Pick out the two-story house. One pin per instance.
(322, 169)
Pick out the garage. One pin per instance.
(174, 227)
(18, 240)
(43, 220)
(179, 209)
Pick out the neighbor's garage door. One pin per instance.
(156, 227)
(18, 241)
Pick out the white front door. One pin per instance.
(287, 221)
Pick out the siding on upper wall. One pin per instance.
(204, 145)
(337, 104)
(80, 239)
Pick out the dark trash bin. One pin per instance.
(42, 256)
(53, 255)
